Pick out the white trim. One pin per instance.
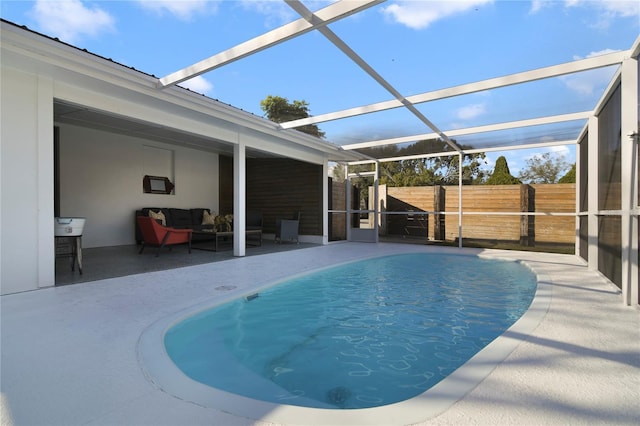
(45, 159)
(474, 130)
(467, 151)
(592, 188)
(628, 178)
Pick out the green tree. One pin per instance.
(279, 110)
(337, 171)
(544, 168)
(570, 176)
(501, 174)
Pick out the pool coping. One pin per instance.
(166, 376)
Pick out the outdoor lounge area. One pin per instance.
(193, 120)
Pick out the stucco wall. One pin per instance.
(101, 179)
(22, 231)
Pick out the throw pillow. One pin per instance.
(158, 216)
(208, 218)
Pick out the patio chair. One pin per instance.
(287, 229)
(156, 235)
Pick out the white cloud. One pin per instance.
(276, 12)
(471, 111)
(182, 9)
(560, 150)
(421, 14)
(198, 84)
(586, 82)
(607, 10)
(624, 8)
(69, 20)
(537, 5)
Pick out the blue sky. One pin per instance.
(418, 46)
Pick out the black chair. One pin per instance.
(287, 229)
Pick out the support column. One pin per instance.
(325, 202)
(46, 242)
(578, 192)
(460, 158)
(376, 202)
(439, 198)
(629, 179)
(592, 189)
(349, 197)
(239, 198)
(527, 222)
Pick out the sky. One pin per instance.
(417, 46)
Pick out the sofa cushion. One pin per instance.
(197, 215)
(180, 218)
(208, 218)
(158, 215)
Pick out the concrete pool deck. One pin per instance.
(70, 354)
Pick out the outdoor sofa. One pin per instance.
(193, 219)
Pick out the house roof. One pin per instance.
(21, 45)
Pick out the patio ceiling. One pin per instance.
(560, 123)
(80, 115)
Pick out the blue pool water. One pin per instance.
(359, 335)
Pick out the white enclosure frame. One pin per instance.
(626, 60)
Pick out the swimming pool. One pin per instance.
(443, 393)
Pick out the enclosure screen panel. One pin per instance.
(609, 161)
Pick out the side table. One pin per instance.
(70, 246)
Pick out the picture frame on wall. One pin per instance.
(157, 185)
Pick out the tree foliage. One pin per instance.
(570, 176)
(544, 168)
(426, 171)
(279, 110)
(501, 174)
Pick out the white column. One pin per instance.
(376, 202)
(629, 191)
(578, 192)
(325, 202)
(46, 240)
(460, 158)
(239, 198)
(592, 188)
(348, 193)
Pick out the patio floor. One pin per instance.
(70, 353)
(118, 261)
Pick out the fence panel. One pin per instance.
(555, 198)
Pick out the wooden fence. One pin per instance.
(527, 230)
